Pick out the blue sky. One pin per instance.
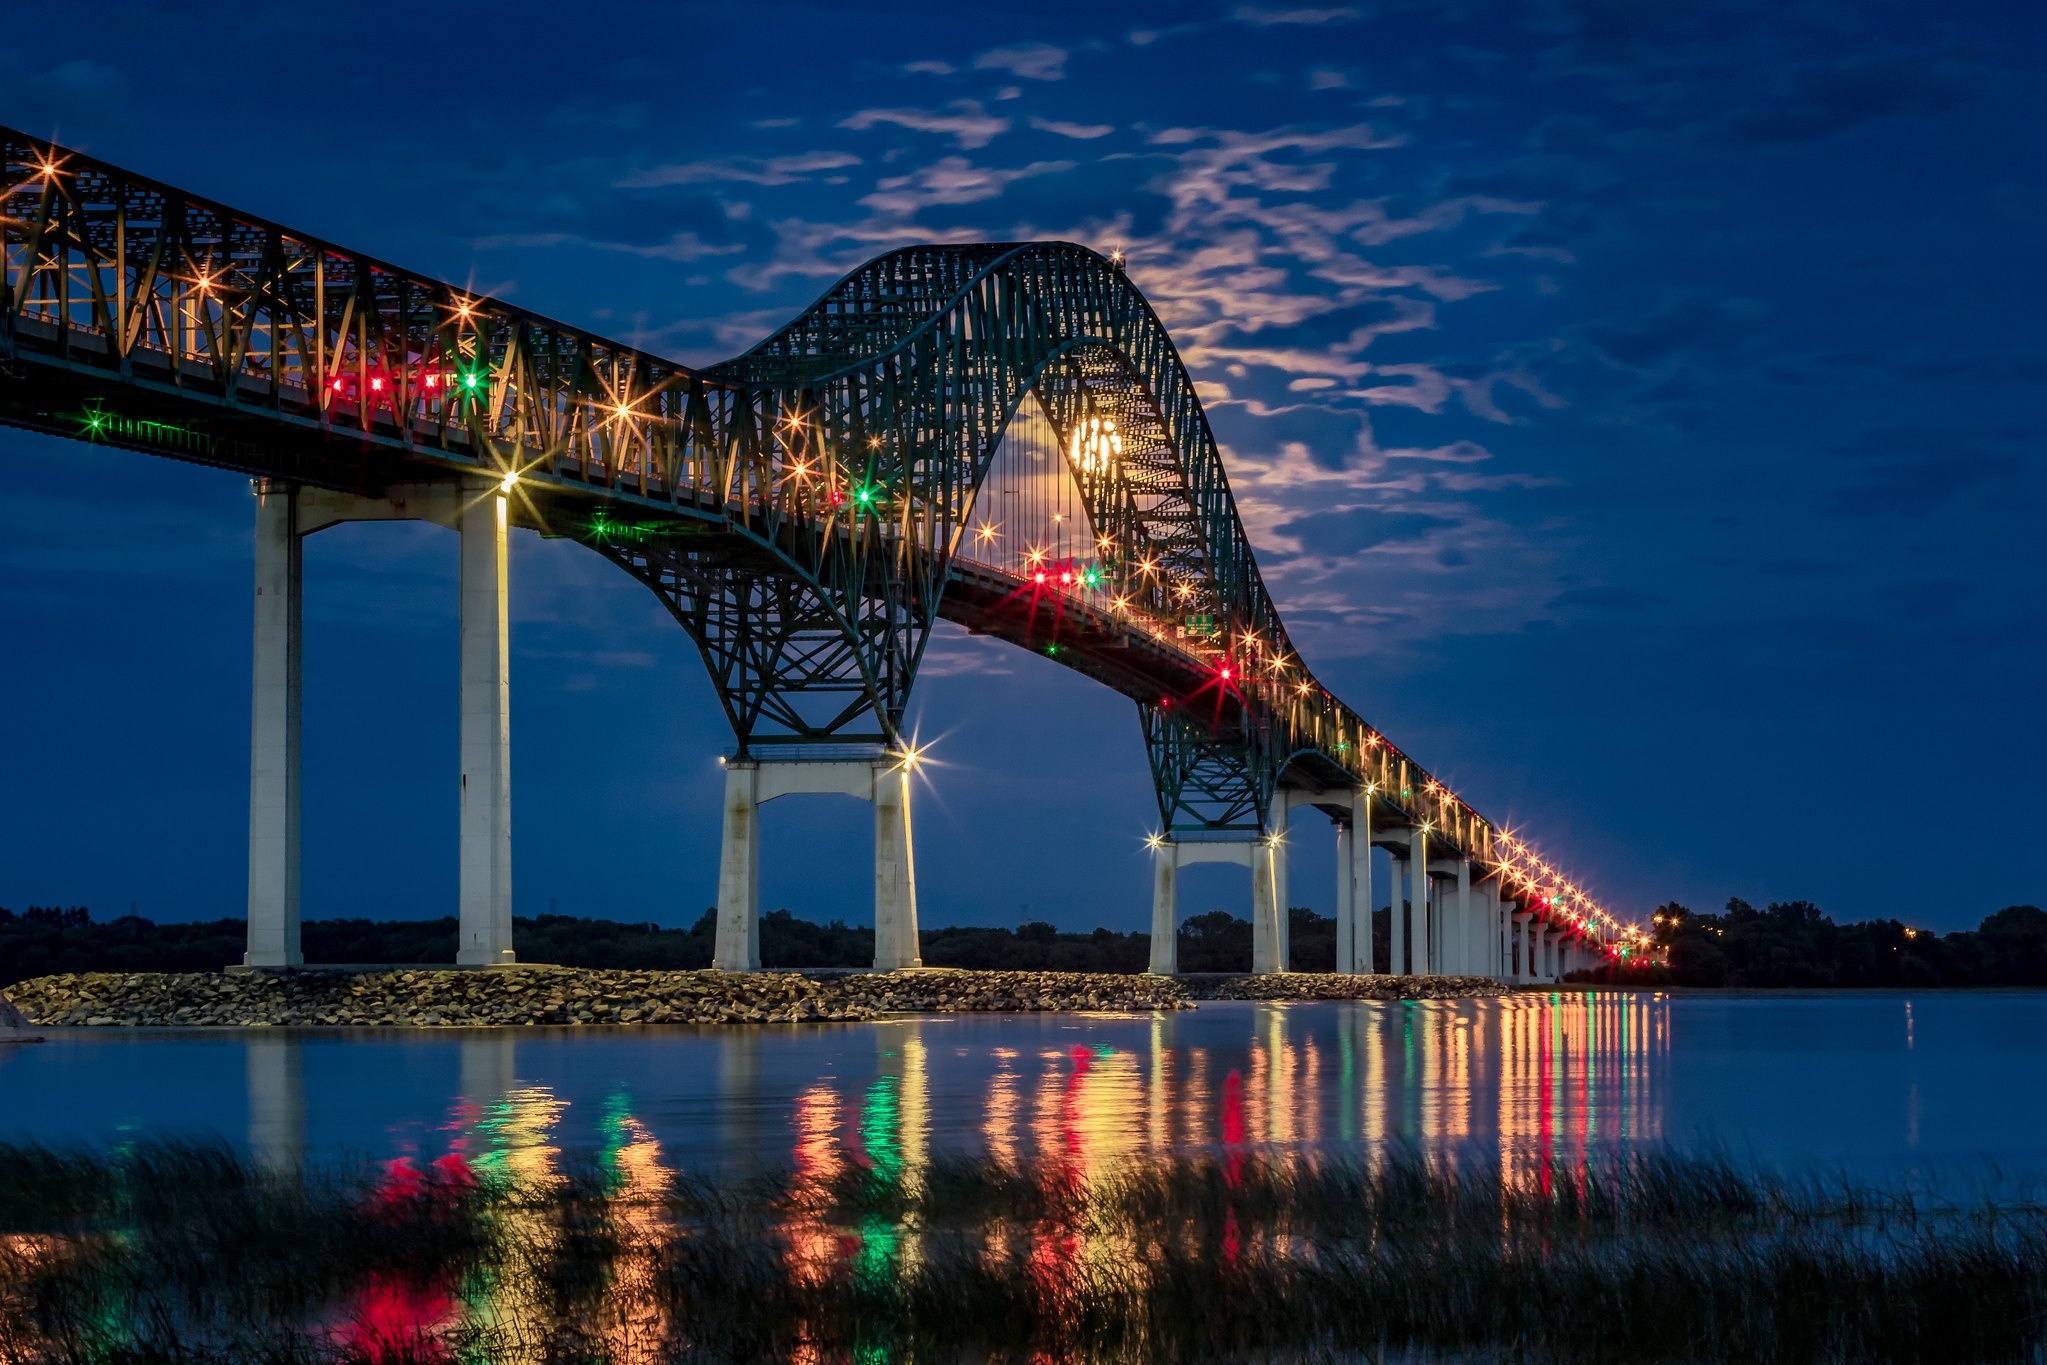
(1634, 407)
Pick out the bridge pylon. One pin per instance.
(286, 514)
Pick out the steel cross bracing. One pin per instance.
(798, 509)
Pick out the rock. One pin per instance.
(589, 998)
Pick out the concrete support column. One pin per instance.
(1361, 880)
(1346, 915)
(1523, 962)
(1503, 948)
(276, 708)
(1418, 897)
(737, 946)
(1165, 908)
(1264, 907)
(1467, 922)
(485, 897)
(1396, 945)
(1283, 920)
(895, 874)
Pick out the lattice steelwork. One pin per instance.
(806, 511)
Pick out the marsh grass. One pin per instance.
(188, 1253)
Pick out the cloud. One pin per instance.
(968, 123)
(929, 68)
(1266, 18)
(779, 170)
(951, 180)
(1353, 529)
(1027, 61)
(1084, 132)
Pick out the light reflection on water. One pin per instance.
(1535, 1078)
(1536, 1084)
(1876, 1082)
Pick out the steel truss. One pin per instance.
(798, 509)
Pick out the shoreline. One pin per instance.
(594, 997)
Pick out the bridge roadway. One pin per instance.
(802, 510)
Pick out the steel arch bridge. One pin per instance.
(806, 511)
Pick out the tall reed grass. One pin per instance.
(188, 1253)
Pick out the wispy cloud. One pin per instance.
(777, 170)
(951, 180)
(1027, 61)
(1266, 18)
(1084, 132)
(967, 122)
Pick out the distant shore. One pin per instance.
(425, 997)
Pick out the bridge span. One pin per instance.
(1000, 435)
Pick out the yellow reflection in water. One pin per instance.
(634, 1324)
(512, 1131)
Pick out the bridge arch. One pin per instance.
(915, 365)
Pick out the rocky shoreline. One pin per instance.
(569, 996)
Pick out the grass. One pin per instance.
(187, 1253)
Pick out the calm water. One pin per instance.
(1940, 1084)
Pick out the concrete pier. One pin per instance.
(1170, 855)
(751, 783)
(285, 516)
(1396, 936)
(275, 713)
(1346, 914)
(1418, 901)
(1268, 905)
(1361, 881)
(1165, 908)
(485, 895)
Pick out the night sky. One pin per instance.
(1634, 406)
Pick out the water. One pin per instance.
(1880, 1085)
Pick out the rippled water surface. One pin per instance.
(1879, 1084)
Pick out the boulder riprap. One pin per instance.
(1331, 986)
(555, 995)
(544, 995)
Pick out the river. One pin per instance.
(1939, 1085)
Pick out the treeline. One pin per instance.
(43, 942)
(1791, 943)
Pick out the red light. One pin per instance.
(1226, 670)
(337, 385)
(376, 386)
(1066, 578)
(1041, 578)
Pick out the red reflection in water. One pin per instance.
(390, 1317)
(1233, 1166)
(1546, 1119)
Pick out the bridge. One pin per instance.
(998, 435)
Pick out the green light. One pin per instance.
(1051, 649)
(865, 494)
